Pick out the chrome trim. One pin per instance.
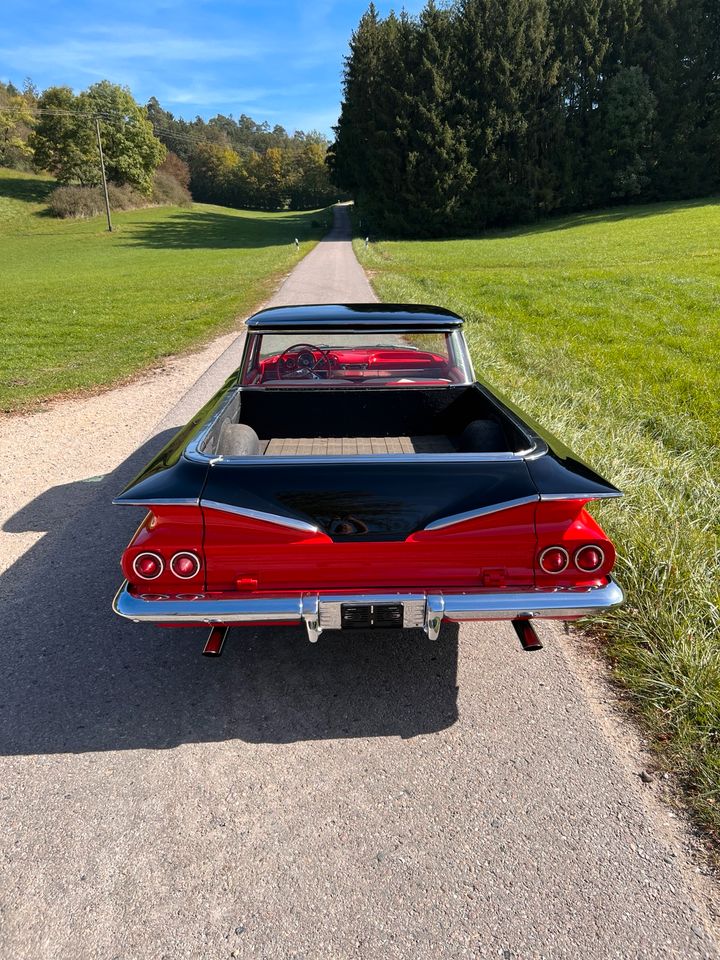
(580, 496)
(185, 553)
(435, 610)
(192, 450)
(552, 573)
(311, 615)
(481, 512)
(555, 604)
(275, 518)
(589, 546)
(148, 553)
(158, 502)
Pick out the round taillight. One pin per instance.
(148, 566)
(589, 559)
(554, 559)
(185, 565)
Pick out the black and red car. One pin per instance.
(354, 473)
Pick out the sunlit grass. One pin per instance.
(81, 307)
(605, 327)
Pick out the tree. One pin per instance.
(626, 116)
(214, 172)
(132, 152)
(176, 168)
(16, 122)
(309, 184)
(438, 172)
(64, 139)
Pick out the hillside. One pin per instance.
(83, 308)
(605, 328)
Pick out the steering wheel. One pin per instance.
(304, 370)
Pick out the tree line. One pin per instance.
(237, 163)
(485, 112)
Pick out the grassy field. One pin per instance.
(82, 307)
(606, 328)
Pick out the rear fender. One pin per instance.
(165, 531)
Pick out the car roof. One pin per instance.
(355, 316)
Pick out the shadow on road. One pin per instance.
(74, 677)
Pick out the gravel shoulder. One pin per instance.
(359, 798)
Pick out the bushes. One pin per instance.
(75, 201)
(89, 201)
(168, 191)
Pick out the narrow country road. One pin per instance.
(365, 797)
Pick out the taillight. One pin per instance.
(589, 559)
(148, 566)
(185, 565)
(554, 559)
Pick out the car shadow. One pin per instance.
(74, 677)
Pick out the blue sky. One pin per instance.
(273, 60)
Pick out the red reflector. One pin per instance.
(185, 565)
(148, 566)
(589, 559)
(554, 559)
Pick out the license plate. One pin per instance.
(369, 616)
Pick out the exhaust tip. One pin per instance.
(529, 640)
(215, 642)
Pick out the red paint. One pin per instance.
(240, 556)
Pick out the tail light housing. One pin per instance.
(572, 548)
(148, 565)
(554, 560)
(589, 558)
(185, 565)
(167, 549)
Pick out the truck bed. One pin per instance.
(350, 446)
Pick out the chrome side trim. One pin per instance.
(193, 449)
(158, 502)
(580, 496)
(275, 518)
(480, 512)
(556, 604)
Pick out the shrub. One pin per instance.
(176, 168)
(89, 201)
(168, 190)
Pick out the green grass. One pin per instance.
(605, 327)
(81, 307)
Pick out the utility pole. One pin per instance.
(102, 168)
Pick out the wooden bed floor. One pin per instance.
(347, 446)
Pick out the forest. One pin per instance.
(495, 112)
(152, 156)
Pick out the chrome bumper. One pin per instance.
(322, 611)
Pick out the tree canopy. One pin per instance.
(237, 163)
(487, 112)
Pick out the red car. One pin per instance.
(353, 473)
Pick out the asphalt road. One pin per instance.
(364, 797)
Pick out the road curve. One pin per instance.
(364, 797)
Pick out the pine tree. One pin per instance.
(438, 172)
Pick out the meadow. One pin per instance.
(605, 327)
(82, 308)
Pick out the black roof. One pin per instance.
(360, 316)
